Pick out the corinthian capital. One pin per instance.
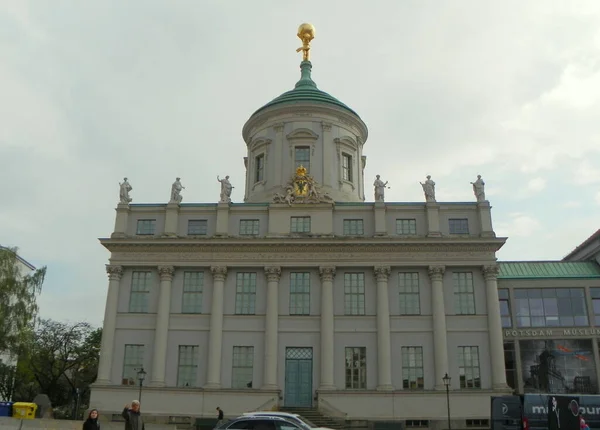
(273, 273)
(436, 273)
(382, 273)
(219, 272)
(114, 272)
(166, 272)
(327, 273)
(491, 272)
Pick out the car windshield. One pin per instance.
(307, 422)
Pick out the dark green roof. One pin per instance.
(306, 91)
(548, 269)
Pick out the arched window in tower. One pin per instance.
(259, 168)
(302, 157)
(347, 167)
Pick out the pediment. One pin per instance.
(302, 133)
(260, 141)
(346, 140)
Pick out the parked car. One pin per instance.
(303, 422)
(262, 422)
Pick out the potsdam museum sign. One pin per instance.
(553, 332)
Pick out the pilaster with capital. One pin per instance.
(384, 347)
(327, 274)
(215, 336)
(328, 154)
(161, 335)
(278, 166)
(440, 344)
(115, 273)
(273, 275)
(490, 274)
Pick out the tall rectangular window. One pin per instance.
(356, 368)
(354, 293)
(132, 362)
(408, 288)
(550, 307)
(249, 227)
(458, 226)
(504, 307)
(300, 293)
(259, 174)
(300, 224)
(187, 368)
(595, 293)
(197, 227)
(243, 367)
(245, 294)
(412, 367)
(406, 227)
(302, 157)
(510, 364)
(146, 227)
(140, 292)
(353, 227)
(193, 287)
(464, 293)
(468, 367)
(347, 167)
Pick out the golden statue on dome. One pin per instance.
(306, 33)
(302, 188)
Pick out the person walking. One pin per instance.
(133, 418)
(92, 422)
(220, 416)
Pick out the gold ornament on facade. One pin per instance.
(306, 33)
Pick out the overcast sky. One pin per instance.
(92, 91)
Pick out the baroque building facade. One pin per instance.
(305, 295)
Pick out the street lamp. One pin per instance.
(141, 374)
(446, 380)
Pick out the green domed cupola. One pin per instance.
(305, 91)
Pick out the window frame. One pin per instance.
(456, 226)
(464, 368)
(259, 168)
(202, 230)
(353, 224)
(245, 294)
(464, 300)
(408, 291)
(353, 297)
(295, 224)
(249, 227)
(408, 370)
(352, 370)
(297, 149)
(135, 366)
(192, 365)
(141, 305)
(143, 229)
(532, 307)
(303, 306)
(192, 290)
(410, 222)
(347, 170)
(245, 351)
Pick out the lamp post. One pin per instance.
(446, 380)
(141, 374)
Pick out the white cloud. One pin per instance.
(536, 184)
(572, 204)
(518, 225)
(598, 197)
(586, 174)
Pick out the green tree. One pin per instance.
(18, 294)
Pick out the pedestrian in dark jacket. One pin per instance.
(92, 422)
(133, 418)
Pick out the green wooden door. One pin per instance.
(298, 377)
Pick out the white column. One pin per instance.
(327, 328)
(384, 348)
(110, 322)
(161, 334)
(271, 328)
(215, 337)
(440, 345)
(490, 273)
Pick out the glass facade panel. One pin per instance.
(197, 227)
(464, 293)
(302, 157)
(504, 307)
(353, 227)
(193, 286)
(406, 227)
(249, 227)
(243, 367)
(409, 298)
(510, 363)
(354, 293)
(558, 366)
(300, 293)
(140, 292)
(188, 366)
(468, 367)
(412, 367)
(550, 307)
